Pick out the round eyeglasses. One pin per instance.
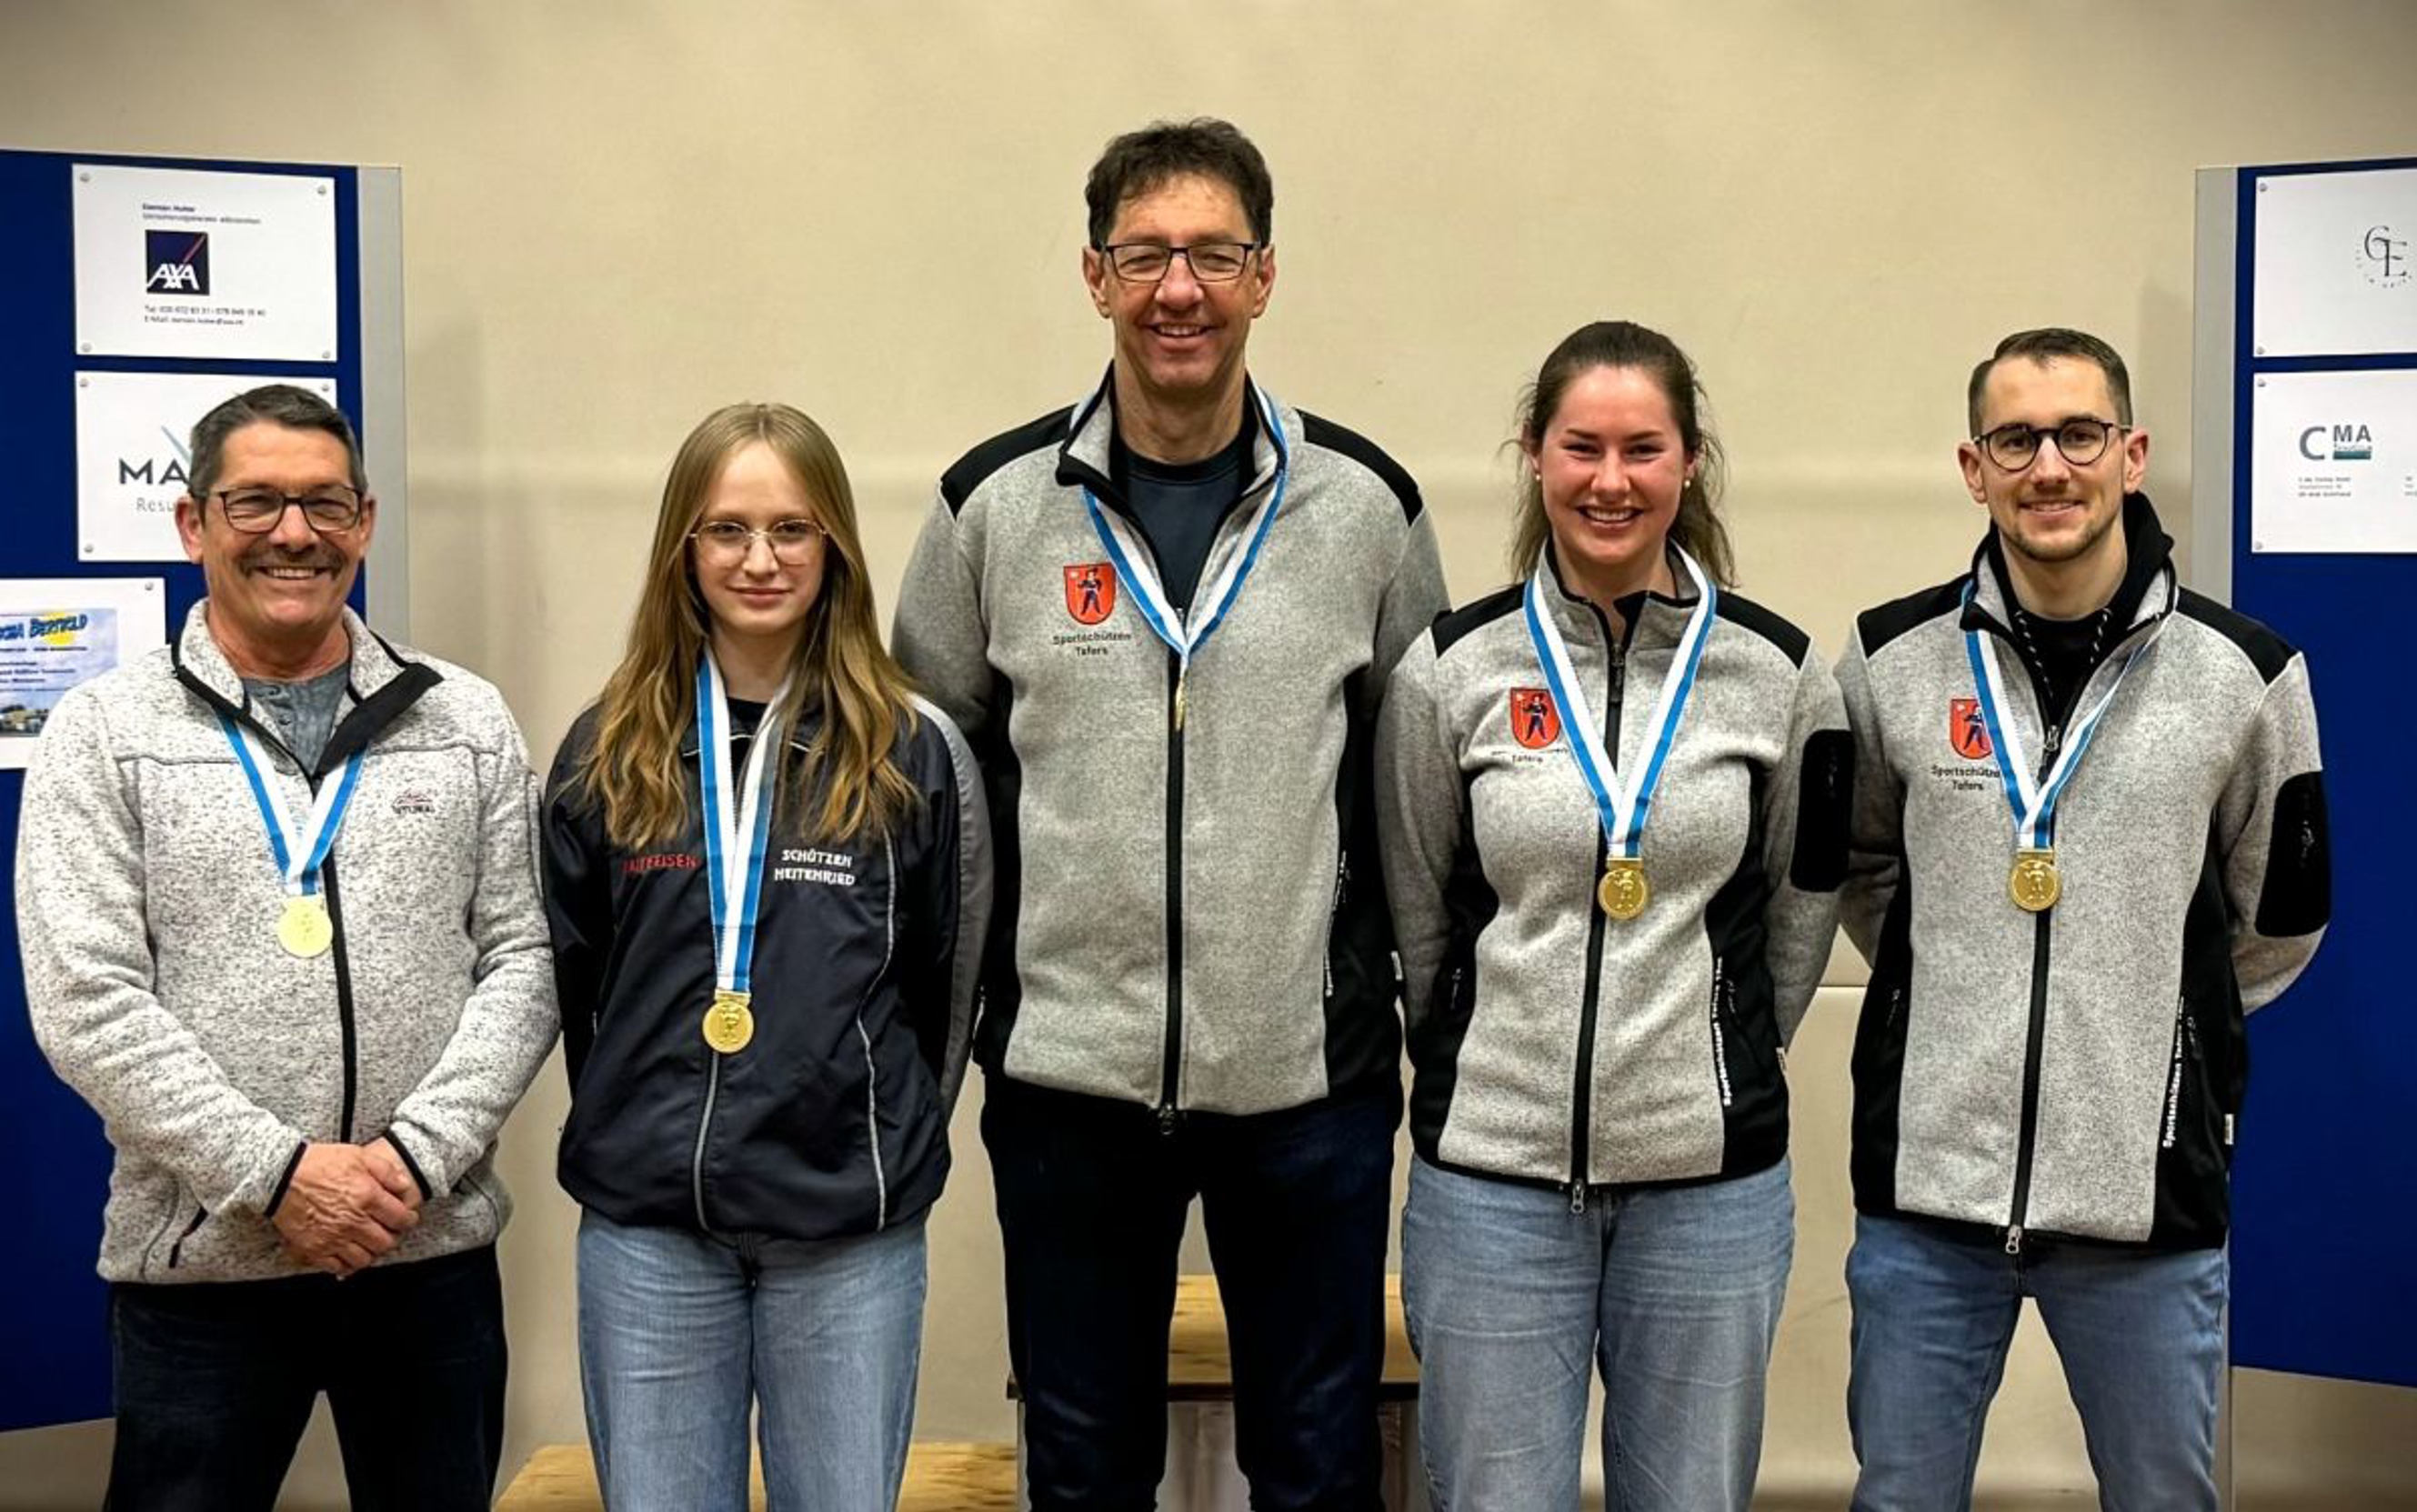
(727, 541)
(1211, 262)
(329, 511)
(2080, 440)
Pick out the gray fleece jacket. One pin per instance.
(146, 902)
(1190, 915)
(2078, 1071)
(1553, 1043)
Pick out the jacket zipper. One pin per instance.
(1171, 1053)
(2032, 1044)
(1582, 1097)
(871, 1072)
(704, 1123)
(176, 1250)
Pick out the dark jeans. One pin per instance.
(216, 1382)
(1091, 1205)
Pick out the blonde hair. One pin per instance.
(632, 767)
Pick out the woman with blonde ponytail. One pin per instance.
(768, 885)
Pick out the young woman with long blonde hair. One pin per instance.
(768, 887)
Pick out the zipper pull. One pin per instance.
(1181, 674)
(2055, 739)
(1167, 1116)
(1577, 1198)
(2015, 1240)
(1619, 674)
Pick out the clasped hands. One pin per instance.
(346, 1205)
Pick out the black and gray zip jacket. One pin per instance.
(146, 901)
(1190, 916)
(833, 1121)
(2076, 1072)
(1555, 1045)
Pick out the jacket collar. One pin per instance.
(382, 681)
(1652, 619)
(2149, 592)
(1086, 458)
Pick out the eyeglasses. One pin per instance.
(727, 541)
(1211, 262)
(330, 511)
(2080, 440)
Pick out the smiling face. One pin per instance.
(277, 599)
(1180, 341)
(754, 595)
(2053, 516)
(1611, 464)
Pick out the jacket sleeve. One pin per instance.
(939, 634)
(1418, 821)
(1413, 598)
(2277, 851)
(90, 988)
(1875, 833)
(445, 1123)
(578, 868)
(948, 919)
(1807, 809)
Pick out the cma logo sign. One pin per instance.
(176, 261)
(2337, 444)
(2384, 257)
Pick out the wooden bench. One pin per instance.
(940, 1477)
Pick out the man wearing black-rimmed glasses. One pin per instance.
(278, 902)
(1165, 615)
(2093, 839)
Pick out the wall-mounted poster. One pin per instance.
(131, 431)
(2337, 271)
(56, 632)
(190, 263)
(2333, 461)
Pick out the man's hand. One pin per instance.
(386, 1164)
(338, 1214)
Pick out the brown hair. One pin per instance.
(1620, 343)
(2052, 343)
(632, 767)
(1206, 147)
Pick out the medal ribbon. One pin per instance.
(741, 833)
(2035, 801)
(1138, 571)
(1621, 807)
(299, 854)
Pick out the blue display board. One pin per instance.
(2325, 1183)
(52, 1179)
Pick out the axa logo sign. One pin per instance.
(1534, 722)
(1967, 729)
(1090, 592)
(176, 261)
(2383, 257)
(2351, 442)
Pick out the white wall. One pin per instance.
(623, 213)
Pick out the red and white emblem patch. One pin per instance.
(1534, 722)
(1090, 592)
(1967, 730)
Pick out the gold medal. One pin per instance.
(730, 1023)
(2034, 882)
(1622, 892)
(304, 928)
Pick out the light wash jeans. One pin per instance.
(2140, 1334)
(680, 1335)
(1672, 1293)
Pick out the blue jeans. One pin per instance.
(679, 1334)
(1092, 1198)
(2140, 1334)
(215, 1378)
(1673, 1293)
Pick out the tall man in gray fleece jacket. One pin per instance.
(1165, 615)
(277, 894)
(2091, 837)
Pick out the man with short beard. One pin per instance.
(2091, 839)
(278, 902)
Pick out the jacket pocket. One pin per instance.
(176, 1249)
